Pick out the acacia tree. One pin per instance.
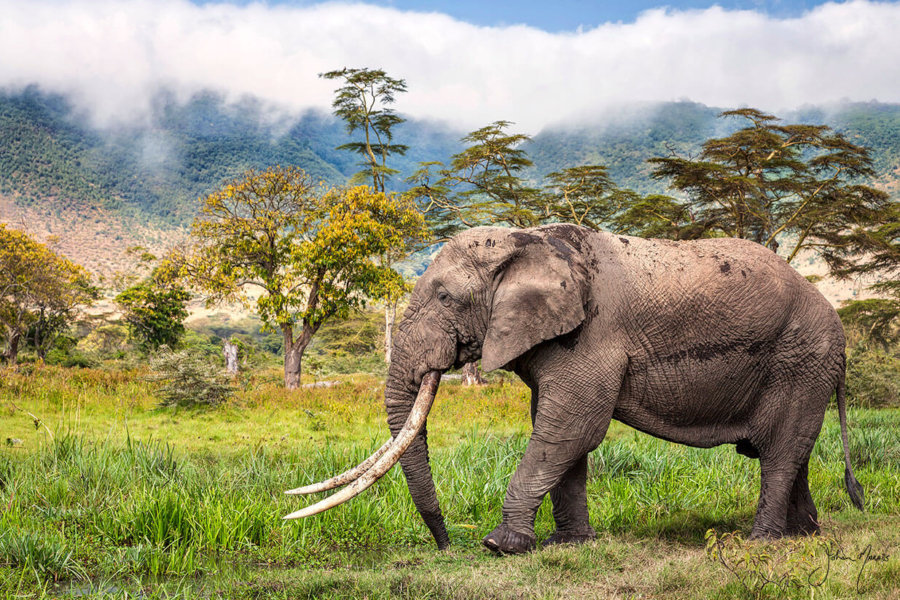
(787, 187)
(878, 317)
(310, 255)
(483, 184)
(40, 292)
(585, 195)
(362, 103)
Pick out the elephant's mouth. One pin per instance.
(467, 352)
(380, 462)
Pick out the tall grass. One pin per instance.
(107, 498)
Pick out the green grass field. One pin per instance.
(110, 496)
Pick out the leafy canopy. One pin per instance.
(486, 184)
(310, 254)
(154, 311)
(775, 184)
(584, 195)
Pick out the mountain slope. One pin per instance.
(102, 190)
(154, 172)
(624, 140)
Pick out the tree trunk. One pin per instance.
(292, 360)
(293, 354)
(390, 316)
(12, 349)
(471, 375)
(39, 340)
(230, 350)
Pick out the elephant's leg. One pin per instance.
(566, 429)
(778, 475)
(802, 517)
(570, 510)
(569, 498)
(785, 505)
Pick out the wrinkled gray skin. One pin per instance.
(703, 343)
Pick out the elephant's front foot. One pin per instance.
(761, 533)
(504, 540)
(571, 537)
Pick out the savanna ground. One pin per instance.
(109, 495)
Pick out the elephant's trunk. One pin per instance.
(422, 351)
(399, 401)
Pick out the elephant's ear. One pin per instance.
(540, 296)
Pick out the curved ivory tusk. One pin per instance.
(404, 439)
(346, 476)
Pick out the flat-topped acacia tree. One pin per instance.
(301, 254)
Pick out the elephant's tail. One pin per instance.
(853, 487)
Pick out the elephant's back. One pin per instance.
(704, 284)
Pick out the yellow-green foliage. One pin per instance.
(38, 289)
(312, 255)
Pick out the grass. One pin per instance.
(129, 499)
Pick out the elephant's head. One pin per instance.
(491, 293)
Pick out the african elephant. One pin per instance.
(703, 343)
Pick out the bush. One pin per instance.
(207, 346)
(873, 377)
(64, 353)
(105, 341)
(189, 378)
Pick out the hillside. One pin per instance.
(102, 190)
(623, 140)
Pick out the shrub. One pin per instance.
(188, 378)
(105, 341)
(873, 377)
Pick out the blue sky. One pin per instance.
(568, 15)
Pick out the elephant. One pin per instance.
(704, 342)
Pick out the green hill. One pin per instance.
(101, 190)
(623, 140)
(154, 172)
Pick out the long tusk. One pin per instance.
(346, 476)
(404, 439)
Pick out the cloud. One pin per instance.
(112, 55)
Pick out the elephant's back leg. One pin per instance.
(784, 432)
(802, 516)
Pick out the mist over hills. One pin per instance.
(155, 170)
(101, 190)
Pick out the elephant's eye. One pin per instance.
(444, 298)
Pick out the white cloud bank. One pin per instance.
(111, 56)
